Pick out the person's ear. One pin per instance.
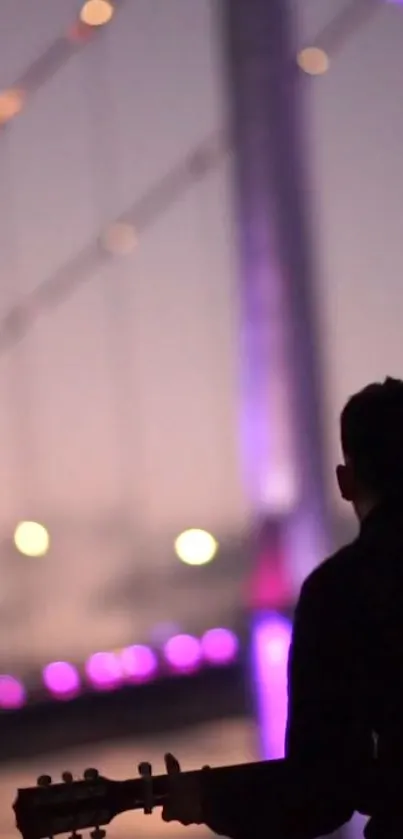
(345, 480)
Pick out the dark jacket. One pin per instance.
(345, 689)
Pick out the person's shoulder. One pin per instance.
(334, 572)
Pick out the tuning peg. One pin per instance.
(98, 833)
(44, 781)
(91, 775)
(67, 777)
(146, 772)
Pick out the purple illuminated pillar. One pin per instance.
(271, 636)
(281, 429)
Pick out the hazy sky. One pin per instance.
(118, 420)
(119, 411)
(355, 122)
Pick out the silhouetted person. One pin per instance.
(346, 657)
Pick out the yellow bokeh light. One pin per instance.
(31, 538)
(313, 60)
(196, 547)
(11, 104)
(96, 12)
(119, 239)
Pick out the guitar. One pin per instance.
(48, 809)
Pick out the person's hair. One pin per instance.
(372, 437)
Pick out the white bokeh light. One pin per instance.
(31, 538)
(196, 547)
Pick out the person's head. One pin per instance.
(372, 443)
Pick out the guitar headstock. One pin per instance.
(49, 809)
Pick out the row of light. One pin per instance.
(193, 547)
(312, 60)
(138, 664)
(94, 13)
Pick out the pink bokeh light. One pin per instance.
(61, 679)
(183, 653)
(12, 693)
(105, 671)
(139, 663)
(219, 646)
(270, 648)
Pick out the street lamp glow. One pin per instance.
(96, 12)
(119, 239)
(313, 61)
(31, 538)
(196, 547)
(11, 104)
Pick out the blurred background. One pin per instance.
(170, 378)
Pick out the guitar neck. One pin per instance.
(131, 793)
(50, 810)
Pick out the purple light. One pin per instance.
(183, 653)
(219, 646)
(12, 693)
(270, 647)
(139, 663)
(105, 671)
(61, 679)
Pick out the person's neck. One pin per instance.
(364, 507)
